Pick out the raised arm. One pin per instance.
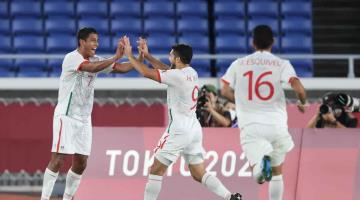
(140, 67)
(126, 66)
(143, 48)
(100, 65)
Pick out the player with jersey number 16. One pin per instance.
(183, 135)
(254, 83)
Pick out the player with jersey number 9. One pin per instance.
(183, 135)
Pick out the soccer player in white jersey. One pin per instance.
(183, 136)
(254, 83)
(72, 130)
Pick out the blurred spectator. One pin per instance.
(211, 113)
(335, 112)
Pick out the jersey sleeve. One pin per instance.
(73, 62)
(230, 76)
(169, 77)
(288, 72)
(108, 69)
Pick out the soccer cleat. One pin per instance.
(266, 168)
(235, 196)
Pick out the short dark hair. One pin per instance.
(84, 33)
(184, 52)
(263, 37)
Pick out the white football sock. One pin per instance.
(153, 187)
(214, 185)
(276, 188)
(72, 184)
(48, 184)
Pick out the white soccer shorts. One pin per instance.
(183, 138)
(71, 136)
(258, 140)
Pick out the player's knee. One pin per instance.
(196, 177)
(56, 163)
(158, 168)
(81, 165)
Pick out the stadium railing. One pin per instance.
(51, 83)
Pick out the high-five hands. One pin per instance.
(142, 47)
(120, 48)
(128, 48)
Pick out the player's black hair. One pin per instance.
(84, 33)
(184, 52)
(263, 37)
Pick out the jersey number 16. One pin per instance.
(258, 84)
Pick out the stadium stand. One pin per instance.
(218, 22)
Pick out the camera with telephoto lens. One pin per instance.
(202, 98)
(324, 109)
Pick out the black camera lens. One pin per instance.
(324, 109)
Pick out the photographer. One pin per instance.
(210, 112)
(335, 112)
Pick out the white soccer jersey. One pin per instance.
(257, 82)
(182, 91)
(76, 91)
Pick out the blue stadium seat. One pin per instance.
(100, 24)
(6, 73)
(230, 25)
(29, 44)
(229, 8)
(60, 26)
(222, 65)
(60, 43)
(92, 9)
(202, 71)
(296, 25)
(54, 64)
(159, 25)
(272, 22)
(125, 9)
(202, 65)
(5, 26)
(303, 68)
(6, 64)
(105, 45)
(193, 25)
(129, 74)
(25, 9)
(199, 43)
(27, 26)
(105, 75)
(133, 38)
(4, 12)
(296, 43)
(159, 8)
(160, 43)
(55, 67)
(195, 8)
(31, 67)
(301, 9)
(227, 43)
(5, 44)
(51, 8)
(263, 9)
(126, 25)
